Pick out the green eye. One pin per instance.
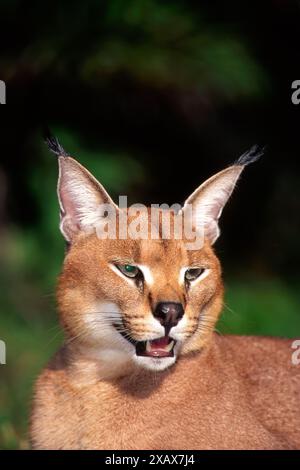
(192, 273)
(128, 270)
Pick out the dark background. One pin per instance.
(153, 97)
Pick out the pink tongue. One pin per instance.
(159, 343)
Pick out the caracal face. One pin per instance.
(120, 313)
(139, 300)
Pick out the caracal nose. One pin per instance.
(168, 314)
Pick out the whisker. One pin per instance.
(230, 309)
(120, 328)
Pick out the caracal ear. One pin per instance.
(82, 199)
(205, 205)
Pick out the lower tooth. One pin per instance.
(170, 346)
(148, 346)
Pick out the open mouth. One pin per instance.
(161, 347)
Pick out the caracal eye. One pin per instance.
(128, 270)
(193, 273)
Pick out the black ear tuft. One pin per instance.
(54, 145)
(251, 155)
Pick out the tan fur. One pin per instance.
(223, 392)
(241, 393)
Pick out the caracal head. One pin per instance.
(132, 292)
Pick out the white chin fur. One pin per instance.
(154, 364)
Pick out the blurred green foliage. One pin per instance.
(168, 44)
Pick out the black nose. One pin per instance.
(169, 314)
